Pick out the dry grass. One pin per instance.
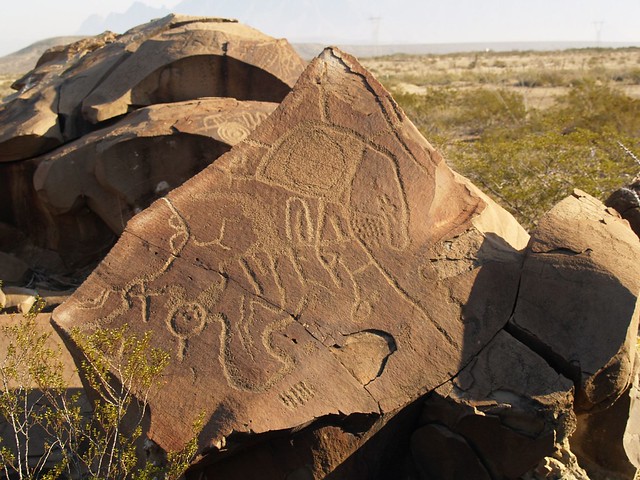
(540, 77)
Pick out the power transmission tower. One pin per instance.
(375, 23)
(598, 26)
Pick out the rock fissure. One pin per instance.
(558, 363)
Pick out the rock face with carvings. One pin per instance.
(116, 172)
(329, 272)
(76, 89)
(338, 302)
(132, 116)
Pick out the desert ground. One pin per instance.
(6, 79)
(540, 77)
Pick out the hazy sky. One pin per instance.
(401, 21)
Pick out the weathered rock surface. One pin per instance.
(562, 464)
(176, 58)
(588, 332)
(12, 269)
(329, 265)
(118, 171)
(626, 201)
(606, 442)
(87, 190)
(506, 410)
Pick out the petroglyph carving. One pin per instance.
(259, 316)
(233, 129)
(219, 241)
(299, 226)
(289, 166)
(297, 395)
(185, 321)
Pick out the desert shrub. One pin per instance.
(541, 78)
(528, 175)
(597, 107)
(446, 114)
(35, 398)
(528, 161)
(628, 76)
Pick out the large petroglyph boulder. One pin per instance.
(177, 58)
(329, 265)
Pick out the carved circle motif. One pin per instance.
(187, 320)
(233, 132)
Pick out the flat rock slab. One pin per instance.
(172, 59)
(331, 263)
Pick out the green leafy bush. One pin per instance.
(529, 160)
(37, 404)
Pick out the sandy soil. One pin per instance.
(5, 84)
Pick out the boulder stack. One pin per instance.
(336, 301)
(102, 127)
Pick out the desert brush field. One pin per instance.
(527, 127)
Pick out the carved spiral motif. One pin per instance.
(233, 132)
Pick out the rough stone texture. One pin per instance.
(606, 442)
(117, 172)
(626, 201)
(563, 464)
(87, 190)
(12, 269)
(329, 265)
(172, 59)
(441, 453)
(505, 411)
(588, 331)
(56, 59)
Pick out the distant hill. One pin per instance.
(24, 60)
(136, 14)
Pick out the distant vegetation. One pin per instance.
(527, 128)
